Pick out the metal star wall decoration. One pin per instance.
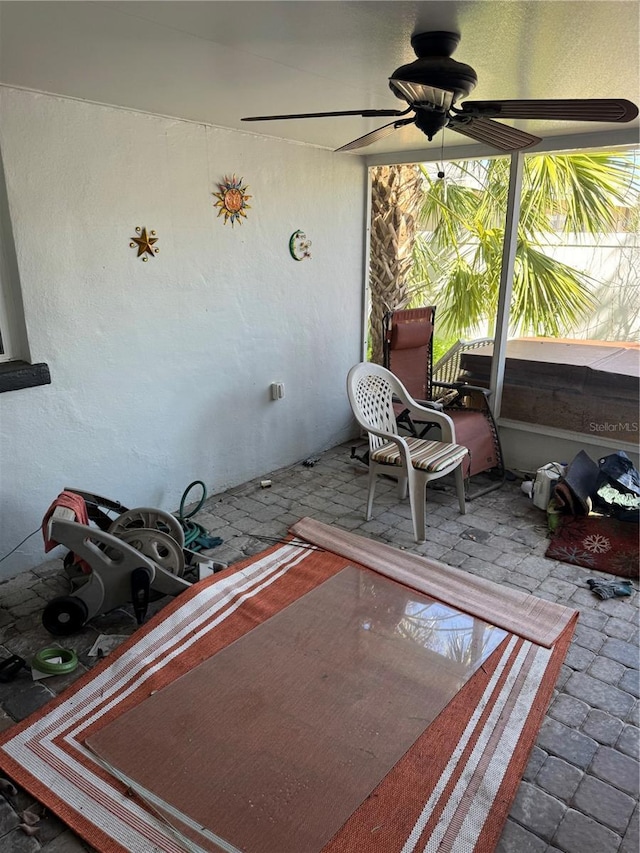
(145, 243)
(232, 200)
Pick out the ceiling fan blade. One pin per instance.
(375, 135)
(492, 132)
(363, 113)
(585, 109)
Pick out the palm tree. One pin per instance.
(457, 257)
(396, 197)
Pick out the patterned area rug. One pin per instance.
(451, 790)
(604, 544)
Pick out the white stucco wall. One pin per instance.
(161, 370)
(526, 447)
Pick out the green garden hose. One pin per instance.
(54, 661)
(196, 537)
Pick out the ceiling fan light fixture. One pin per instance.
(419, 94)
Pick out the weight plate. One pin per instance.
(157, 546)
(149, 519)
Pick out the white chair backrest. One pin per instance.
(371, 389)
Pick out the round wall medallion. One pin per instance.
(299, 246)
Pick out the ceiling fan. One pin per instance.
(434, 82)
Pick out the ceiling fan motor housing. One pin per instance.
(434, 66)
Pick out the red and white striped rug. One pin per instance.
(452, 789)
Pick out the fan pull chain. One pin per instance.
(441, 170)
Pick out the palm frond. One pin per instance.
(458, 245)
(549, 297)
(464, 298)
(585, 188)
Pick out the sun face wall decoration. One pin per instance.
(232, 200)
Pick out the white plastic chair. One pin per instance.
(372, 389)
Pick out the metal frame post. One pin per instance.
(506, 282)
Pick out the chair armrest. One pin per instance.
(464, 386)
(421, 413)
(403, 447)
(473, 397)
(476, 389)
(429, 404)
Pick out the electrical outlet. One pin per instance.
(277, 390)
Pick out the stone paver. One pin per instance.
(621, 651)
(536, 760)
(537, 810)
(581, 782)
(588, 638)
(606, 670)
(517, 839)
(581, 834)
(630, 682)
(67, 842)
(566, 743)
(617, 769)
(629, 741)
(599, 695)
(620, 629)
(631, 840)
(604, 803)
(579, 658)
(558, 777)
(602, 727)
(568, 710)
(592, 618)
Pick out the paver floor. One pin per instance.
(580, 790)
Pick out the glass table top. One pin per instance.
(271, 744)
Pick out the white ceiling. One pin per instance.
(215, 62)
